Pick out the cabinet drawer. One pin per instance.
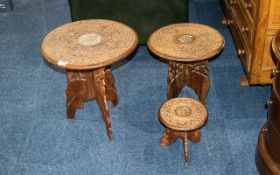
(255, 2)
(241, 48)
(242, 25)
(250, 9)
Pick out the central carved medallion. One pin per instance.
(90, 39)
(185, 38)
(183, 111)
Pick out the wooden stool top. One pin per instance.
(183, 114)
(88, 44)
(186, 42)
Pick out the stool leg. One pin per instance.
(75, 92)
(169, 137)
(110, 86)
(79, 88)
(198, 79)
(185, 144)
(100, 93)
(194, 136)
(204, 91)
(176, 79)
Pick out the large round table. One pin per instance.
(87, 49)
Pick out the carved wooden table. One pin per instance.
(86, 49)
(182, 118)
(187, 47)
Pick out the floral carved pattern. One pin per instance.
(176, 78)
(186, 42)
(180, 120)
(200, 68)
(88, 44)
(198, 79)
(196, 75)
(175, 70)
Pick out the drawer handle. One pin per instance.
(275, 71)
(240, 51)
(233, 2)
(248, 5)
(268, 103)
(227, 21)
(244, 29)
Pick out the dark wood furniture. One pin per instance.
(182, 117)
(187, 47)
(86, 49)
(268, 148)
(252, 24)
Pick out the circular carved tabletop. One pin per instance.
(186, 42)
(88, 44)
(183, 114)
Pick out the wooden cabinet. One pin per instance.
(252, 24)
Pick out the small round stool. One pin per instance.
(86, 49)
(187, 47)
(182, 117)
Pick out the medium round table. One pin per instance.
(86, 49)
(187, 47)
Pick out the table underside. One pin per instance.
(84, 85)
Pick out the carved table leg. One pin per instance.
(100, 92)
(176, 79)
(170, 136)
(79, 88)
(194, 136)
(89, 84)
(185, 144)
(198, 79)
(110, 87)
